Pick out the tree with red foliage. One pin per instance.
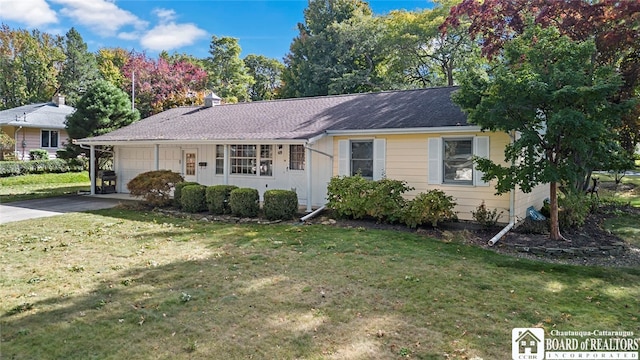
(161, 85)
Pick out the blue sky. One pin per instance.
(263, 27)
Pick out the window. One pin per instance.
(296, 157)
(49, 139)
(362, 158)
(219, 159)
(451, 160)
(190, 164)
(244, 159)
(457, 160)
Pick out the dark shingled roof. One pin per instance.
(301, 118)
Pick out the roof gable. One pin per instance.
(300, 118)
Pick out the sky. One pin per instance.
(262, 27)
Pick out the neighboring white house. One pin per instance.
(37, 126)
(419, 136)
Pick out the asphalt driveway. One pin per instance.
(32, 209)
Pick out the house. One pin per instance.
(528, 343)
(419, 136)
(37, 126)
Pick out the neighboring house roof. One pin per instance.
(297, 119)
(42, 115)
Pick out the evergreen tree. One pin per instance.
(79, 69)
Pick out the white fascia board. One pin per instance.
(190, 142)
(424, 130)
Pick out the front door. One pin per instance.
(189, 165)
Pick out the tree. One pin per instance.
(7, 144)
(110, 63)
(313, 61)
(425, 56)
(79, 69)
(545, 90)
(266, 74)
(102, 109)
(611, 24)
(161, 85)
(228, 76)
(29, 64)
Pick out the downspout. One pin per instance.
(92, 168)
(512, 202)
(15, 137)
(309, 178)
(308, 155)
(512, 220)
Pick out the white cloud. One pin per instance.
(171, 36)
(103, 17)
(33, 13)
(165, 15)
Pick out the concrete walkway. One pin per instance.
(32, 209)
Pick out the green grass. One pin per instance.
(117, 284)
(26, 187)
(626, 226)
(632, 197)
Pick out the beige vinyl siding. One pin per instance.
(534, 198)
(407, 159)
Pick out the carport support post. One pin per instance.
(156, 156)
(308, 167)
(225, 165)
(92, 168)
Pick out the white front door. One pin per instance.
(190, 165)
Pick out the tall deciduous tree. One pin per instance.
(160, 85)
(266, 74)
(110, 62)
(79, 69)
(313, 61)
(546, 90)
(228, 76)
(425, 56)
(29, 64)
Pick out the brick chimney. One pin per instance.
(58, 99)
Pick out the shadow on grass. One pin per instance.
(43, 193)
(302, 292)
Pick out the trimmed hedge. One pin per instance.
(244, 202)
(431, 207)
(280, 204)
(218, 198)
(192, 198)
(154, 186)
(177, 191)
(15, 168)
(38, 154)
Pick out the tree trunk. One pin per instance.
(553, 205)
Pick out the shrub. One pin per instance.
(485, 217)
(385, 201)
(154, 186)
(357, 197)
(193, 198)
(280, 204)
(244, 202)
(38, 154)
(573, 209)
(10, 168)
(218, 198)
(431, 207)
(347, 196)
(177, 192)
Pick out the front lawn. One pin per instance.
(37, 186)
(121, 284)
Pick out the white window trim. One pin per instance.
(258, 160)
